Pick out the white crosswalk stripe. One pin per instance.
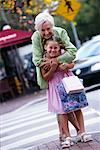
(34, 125)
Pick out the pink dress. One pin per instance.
(54, 102)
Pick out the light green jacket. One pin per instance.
(37, 45)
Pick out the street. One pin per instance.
(32, 125)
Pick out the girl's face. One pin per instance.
(46, 30)
(53, 49)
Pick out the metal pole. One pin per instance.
(77, 41)
(3, 15)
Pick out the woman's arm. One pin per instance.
(38, 51)
(70, 65)
(37, 48)
(70, 49)
(65, 66)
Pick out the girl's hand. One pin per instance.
(54, 62)
(49, 63)
(46, 64)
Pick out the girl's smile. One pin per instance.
(53, 49)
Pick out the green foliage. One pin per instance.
(61, 22)
(88, 19)
(21, 15)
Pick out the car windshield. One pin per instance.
(89, 49)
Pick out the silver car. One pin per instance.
(87, 61)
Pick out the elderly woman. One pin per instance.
(44, 24)
(45, 29)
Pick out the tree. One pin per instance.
(23, 11)
(88, 23)
(21, 14)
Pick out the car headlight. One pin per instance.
(78, 71)
(95, 67)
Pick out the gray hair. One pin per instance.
(41, 18)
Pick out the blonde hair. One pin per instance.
(41, 18)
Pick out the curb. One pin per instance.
(25, 106)
(31, 103)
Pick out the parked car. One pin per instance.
(25, 54)
(30, 70)
(87, 60)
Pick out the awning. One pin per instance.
(12, 37)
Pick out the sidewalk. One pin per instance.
(13, 104)
(20, 102)
(54, 145)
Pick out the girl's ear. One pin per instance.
(45, 47)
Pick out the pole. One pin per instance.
(77, 41)
(3, 15)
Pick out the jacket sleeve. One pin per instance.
(37, 49)
(71, 50)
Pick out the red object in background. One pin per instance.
(12, 37)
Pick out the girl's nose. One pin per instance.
(53, 49)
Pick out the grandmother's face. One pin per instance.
(46, 30)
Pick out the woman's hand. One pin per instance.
(63, 67)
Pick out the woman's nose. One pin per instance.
(46, 32)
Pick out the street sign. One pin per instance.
(68, 9)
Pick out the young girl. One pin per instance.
(54, 75)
